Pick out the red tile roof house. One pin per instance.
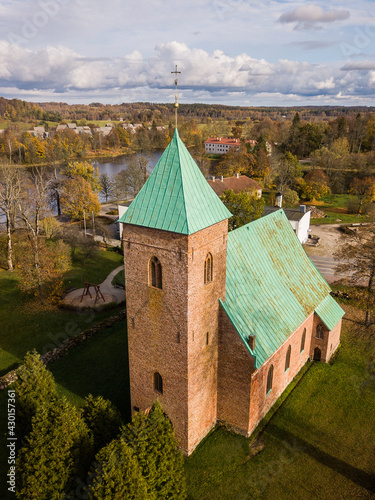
(221, 145)
(238, 183)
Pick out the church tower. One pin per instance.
(175, 248)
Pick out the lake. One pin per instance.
(113, 166)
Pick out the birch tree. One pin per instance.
(10, 195)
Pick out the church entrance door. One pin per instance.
(317, 354)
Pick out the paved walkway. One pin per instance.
(109, 292)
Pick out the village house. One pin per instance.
(237, 183)
(219, 323)
(221, 145)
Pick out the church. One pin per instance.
(218, 323)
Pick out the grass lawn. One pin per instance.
(26, 324)
(335, 208)
(320, 444)
(119, 279)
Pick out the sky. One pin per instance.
(233, 52)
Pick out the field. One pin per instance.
(335, 208)
(27, 324)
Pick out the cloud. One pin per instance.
(60, 73)
(359, 66)
(313, 44)
(311, 16)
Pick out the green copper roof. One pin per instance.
(176, 196)
(272, 286)
(329, 312)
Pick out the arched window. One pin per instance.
(303, 340)
(269, 379)
(319, 332)
(158, 383)
(155, 274)
(287, 358)
(208, 263)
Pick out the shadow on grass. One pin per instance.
(358, 476)
(99, 366)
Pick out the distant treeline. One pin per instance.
(17, 110)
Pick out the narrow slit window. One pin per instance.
(287, 358)
(155, 273)
(158, 383)
(303, 340)
(269, 379)
(208, 269)
(319, 332)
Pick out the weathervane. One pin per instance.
(175, 72)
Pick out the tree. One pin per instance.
(236, 160)
(356, 256)
(10, 195)
(54, 259)
(333, 160)
(56, 451)
(103, 419)
(130, 180)
(153, 441)
(364, 190)
(244, 208)
(313, 186)
(117, 474)
(201, 159)
(77, 198)
(35, 387)
(86, 171)
(285, 169)
(290, 197)
(32, 207)
(106, 184)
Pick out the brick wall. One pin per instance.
(235, 368)
(168, 328)
(330, 341)
(260, 402)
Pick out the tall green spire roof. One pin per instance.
(176, 196)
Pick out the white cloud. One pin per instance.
(310, 15)
(59, 73)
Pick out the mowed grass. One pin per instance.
(320, 444)
(27, 324)
(335, 208)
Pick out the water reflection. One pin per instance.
(114, 165)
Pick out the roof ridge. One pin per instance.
(178, 140)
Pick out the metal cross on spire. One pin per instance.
(175, 72)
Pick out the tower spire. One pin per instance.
(175, 72)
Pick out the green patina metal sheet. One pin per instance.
(271, 285)
(329, 312)
(176, 196)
